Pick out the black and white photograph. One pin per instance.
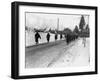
(56, 40)
(51, 40)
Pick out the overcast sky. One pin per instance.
(38, 20)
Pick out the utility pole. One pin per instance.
(58, 24)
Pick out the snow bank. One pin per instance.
(30, 39)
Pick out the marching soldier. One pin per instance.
(37, 36)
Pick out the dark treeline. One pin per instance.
(79, 31)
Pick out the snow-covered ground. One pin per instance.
(77, 55)
(58, 54)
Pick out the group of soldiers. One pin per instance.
(70, 37)
(37, 36)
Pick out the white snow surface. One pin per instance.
(77, 55)
(61, 55)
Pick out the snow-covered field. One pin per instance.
(30, 39)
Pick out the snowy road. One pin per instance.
(57, 54)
